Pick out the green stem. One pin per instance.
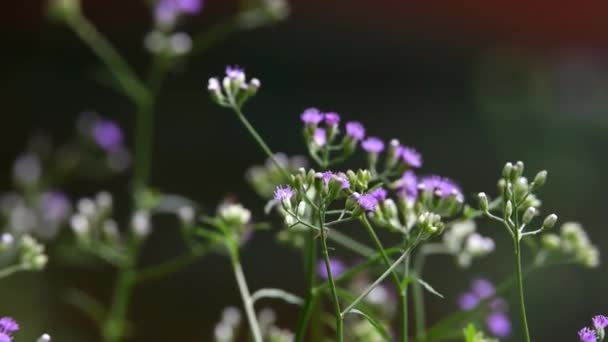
(168, 267)
(520, 287)
(246, 296)
(259, 140)
(330, 279)
(10, 270)
(309, 304)
(419, 297)
(128, 80)
(403, 299)
(115, 325)
(395, 277)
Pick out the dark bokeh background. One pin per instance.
(471, 84)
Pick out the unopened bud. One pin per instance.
(549, 221)
(509, 209)
(529, 215)
(506, 171)
(186, 215)
(483, 201)
(6, 241)
(141, 223)
(539, 180)
(518, 170)
(44, 338)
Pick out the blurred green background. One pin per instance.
(470, 84)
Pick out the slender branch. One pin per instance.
(330, 279)
(311, 295)
(246, 296)
(520, 287)
(278, 294)
(168, 267)
(5, 272)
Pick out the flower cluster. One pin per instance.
(265, 178)
(497, 321)
(462, 241)
(234, 90)
(595, 333)
(571, 245)
(7, 327)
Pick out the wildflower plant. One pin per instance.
(389, 195)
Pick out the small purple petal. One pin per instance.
(332, 118)
(373, 145)
(355, 130)
(367, 202)
(327, 176)
(5, 337)
(8, 325)
(189, 6)
(442, 187)
(499, 324)
(587, 335)
(311, 116)
(468, 301)
(283, 193)
(107, 134)
(320, 137)
(600, 322)
(379, 194)
(411, 157)
(407, 186)
(482, 288)
(345, 183)
(336, 265)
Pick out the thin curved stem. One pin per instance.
(311, 296)
(332, 285)
(520, 287)
(168, 267)
(11, 270)
(246, 296)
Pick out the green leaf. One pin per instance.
(377, 325)
(277, 294)
(470, 333)
(429, 287)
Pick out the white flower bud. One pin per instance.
(549, 221)
(140, 223)
(80, 224)
(44, 338)
(551, 241)
(180, 43)
(529, 215)
(87, 207)
(506, 171)
(186, 215)
(104, 200)
(301, 209)
(231, 316)
(155, 42)
(478, 245)
(6, 241)
(235, 213)
(110, 230)
(483, 201)
(540, 179)
(509, 209)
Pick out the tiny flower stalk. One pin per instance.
(518, 211)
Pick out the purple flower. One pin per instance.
(326, 176)
(5, 337)
(442, 187)
(367, 201)
(345, 184)
(379, 194)
(320, 137)
(235, 73)
(482, 288)
(8, 325)
(167, 11)
(407, 186)
(55, 206)
(189, 6)
(107, 134)
(355, 130)
(587, 335)
(468, 301)
(373, 145)
(411, 157)
(311, 116)
(337, 268)
(332, 118)
(600, 322)
(498, 324)
(282, 193)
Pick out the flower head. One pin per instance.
(107, 134)
(367, 201)
(235, 72)
(8, 325)
(499, 324)
(344, 182)
(355, 130)
(411, 157)
(587, 335)
(468, 301)
(55, 206)
(336, 265)
(379, 194)
(5, 337)
(442, 187)
(600, 322)
(483, 288)
(283, 193)
(311, 116)
(407, 186)
(320, 137)
(373, 145)
(332, 118)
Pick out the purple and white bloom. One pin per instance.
(326, 176)
(499, 324)
(355, 130)
(283, 193)
(5, 337)
(214, 85)
(166, 12)
(235, 73)
(27, 169)
(344, 182)
(411, 157)
(336, 265)
(367, 202)
(8, 325)
(55, 206)
(107, 134)
(320, 137)
(379, 194)
(407, 186)
(373, 145)
(600, 322)
(332, 118)
(483, 288)
(440, 186)
(468, 301)
(587, 335)
(311, 116)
